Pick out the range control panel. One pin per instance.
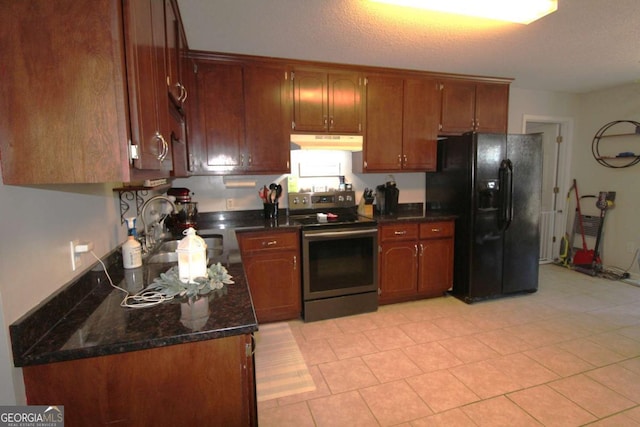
(329, 199)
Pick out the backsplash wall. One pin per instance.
(212, 193)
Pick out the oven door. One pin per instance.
(339, 261)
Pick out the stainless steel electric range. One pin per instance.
(339, 255)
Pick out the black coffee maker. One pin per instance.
(387, 198)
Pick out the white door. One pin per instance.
(555, 168)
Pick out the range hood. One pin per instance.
(326, 142)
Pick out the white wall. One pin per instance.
(36, 227)
(622, 224)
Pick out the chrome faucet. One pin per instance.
(156, 230)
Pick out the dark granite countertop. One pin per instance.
(413, 212)
(254, 219)
(85, 319)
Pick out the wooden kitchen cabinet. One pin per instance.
(201, 383)
(146, 75)
(435, 258)
(241, 122)
(416, 260)
(272, 266)
(175, 50)
(327, 101)
(76, 108)
(402, 117)
(474, 106)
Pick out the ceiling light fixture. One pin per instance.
(519, 11)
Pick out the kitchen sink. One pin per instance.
(165, 252)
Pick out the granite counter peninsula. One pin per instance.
(172, 364)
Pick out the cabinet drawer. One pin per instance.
(258, 242)
(399, 231)
(435, 230)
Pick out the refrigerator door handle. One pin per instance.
(505, 175)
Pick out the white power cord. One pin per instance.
(142, 299)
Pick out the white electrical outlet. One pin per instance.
(230, 204)
(76, 260)
(631, 247)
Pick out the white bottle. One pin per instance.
(131, 253)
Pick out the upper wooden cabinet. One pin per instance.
(76, 102)
(402, 117)
(176, 47)
(327, 102)
(146, 74)
(474, 106)
(241, 120)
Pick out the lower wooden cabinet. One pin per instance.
(416, 260)
(272, 267)
(204, 383)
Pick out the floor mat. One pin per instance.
(280, 367)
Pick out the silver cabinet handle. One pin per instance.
(295, 263)
(270, 243)
(435, 230)
(165, 147)
(415, 255)
(421, 249)
(400, 233)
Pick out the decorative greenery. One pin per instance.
(170, 285)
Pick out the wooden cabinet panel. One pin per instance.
(398, 271)
(243, 117)
(310, 103)
(399, 231)
(274, 282)
(474, 106)
(267, 118)
(150, 125)
(383, 137)
(345, 103)
(458, 107)
(492, 107)
(433, 230)
(402, 117)
(271, 263)
(176, 47)
(327, 102)
(221, 118)
(64, 96)
(267, 241)
(215, 377)
(416, 260)
(420, 124)
(436, 267)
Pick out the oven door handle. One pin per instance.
(341, 233)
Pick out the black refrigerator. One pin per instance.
(493, 183)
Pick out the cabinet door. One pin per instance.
(435, 267)
(398, 271)
(144, 30)
(175, 45)
(421, 117)
(267, 119)
(345, 93)
(492, 107)
(458, 107)
(274, 282)
(64, 103)
(219, 141)
(310, 104)
(214, 376)
(383, 136)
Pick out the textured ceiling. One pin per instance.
(586, 45)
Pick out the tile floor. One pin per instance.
(568, 355)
